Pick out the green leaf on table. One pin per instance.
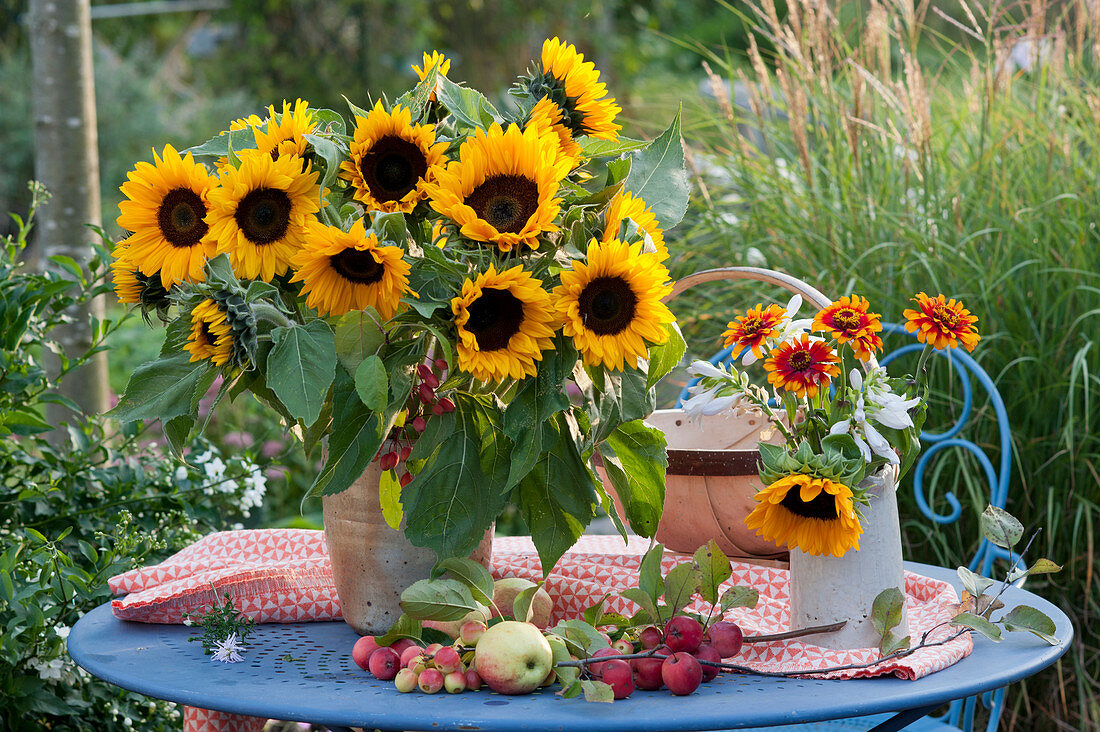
(1024, 617)
(301, 367)
(973, 583)
(372, 384)
(405, 627)
(162, 389)
(557, 498)
(714, 569)
(472, 574)
(571, 690)
(665, 357)
(1001, 527)
(597, 691)
(389, 495)
(658, 176)
(978, 623)
(681, 582)
(1041, 566)
(642, 598)
(650, 579)
(892, 641)
(887, 609)
(739, 596)
(456, 495)
(437, 599)
(583, 638)
(635, 461)
(357, 336)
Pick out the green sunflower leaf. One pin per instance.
(658, 176)
(218, 146)
(468, 106)
(635, 462)
(357, 433)
(596, 148)
(665, 357)
(301, 367)
(161, 389)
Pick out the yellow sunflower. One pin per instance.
(626, 205)
(815, 515)
(166, 205)
(259, 212)
(391, 160)
(574, 85)
(548, 117)
(505, 320)
(611, 304)
(243, 123)
(285, 135)
(344, 271)
(211, 335)
(435, 61)
(502, 187)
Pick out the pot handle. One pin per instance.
(808, 292)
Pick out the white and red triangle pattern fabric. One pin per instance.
(208, 720)
(284, 576)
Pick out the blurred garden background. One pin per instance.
(881, 147)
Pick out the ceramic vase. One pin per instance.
(373, 563)
(827, 589)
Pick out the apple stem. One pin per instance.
(795, 633)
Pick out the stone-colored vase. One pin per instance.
(828, 589)
(371, 562)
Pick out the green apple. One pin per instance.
(513, 657)
(504, 596)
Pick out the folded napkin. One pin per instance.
(284, 576)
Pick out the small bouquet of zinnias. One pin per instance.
(841, 417)
(415, 283)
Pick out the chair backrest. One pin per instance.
(968, 372)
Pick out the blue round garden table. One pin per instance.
(304, 672)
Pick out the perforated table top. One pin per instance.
(304, 672)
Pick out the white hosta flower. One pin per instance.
(228, 650)
(181, 474)
(704, 369)
(883, 405)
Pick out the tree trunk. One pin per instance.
(67, 163)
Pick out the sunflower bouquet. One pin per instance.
(840, 415)
(425, 283)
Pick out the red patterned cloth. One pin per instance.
(284, 576)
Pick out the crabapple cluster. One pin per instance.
(422, 400)
(677, 650)
(432, 668)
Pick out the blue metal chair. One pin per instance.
(961, 714)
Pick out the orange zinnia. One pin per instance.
(754, 327)
(802, 365)
(942, 324)
(848, 321)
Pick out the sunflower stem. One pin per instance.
(270, 313)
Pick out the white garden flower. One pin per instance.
(181, 474)
(868, 439)
(228, 650)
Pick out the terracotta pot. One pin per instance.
(828, 589)
(372, 563)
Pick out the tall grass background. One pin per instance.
(887, 148)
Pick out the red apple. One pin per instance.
(683, 633)
(647, 671)
(455, 682)
(473, 681)
(513, 657)
(447, 659)
(681, 673)
(384, 663)
(623, 646)
(430, 680)
(360, 652)
(401, 644)
(726, 637)
(707, 652)
(597, 668)
(408, 655)
(650, 637)
(619, 675)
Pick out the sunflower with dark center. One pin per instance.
(815, 515)
(802, 365)
(344, 271)
(260, 212)
(505, 320)
(941, 323)
(547, 117)
(611, 305)
(392, 160)
(165, 208)
(573, 85)
(626, 205)
(285, 133)
(211, 335)
(502, 188)
(134, 288)
(848, 321)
